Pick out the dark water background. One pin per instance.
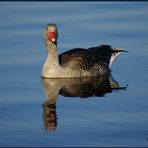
(119, 118)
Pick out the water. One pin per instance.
(117, 118)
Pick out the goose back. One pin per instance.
(76, 58)
(85, 58)
(101, 54)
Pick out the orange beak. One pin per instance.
(52, 36)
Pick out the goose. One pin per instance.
(77, 62)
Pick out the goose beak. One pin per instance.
(52, 36)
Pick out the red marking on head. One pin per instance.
(52, 36)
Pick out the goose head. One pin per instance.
(51, 34)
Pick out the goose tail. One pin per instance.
(114, 55)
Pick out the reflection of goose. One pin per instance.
(73, 87)
(49, 116)
(77, 62)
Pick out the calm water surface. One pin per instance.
(32, 113)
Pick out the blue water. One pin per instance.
(119, 118)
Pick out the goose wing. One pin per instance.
(76, 58)
(101, 53)
(85, 58)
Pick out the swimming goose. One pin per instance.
(76, 62)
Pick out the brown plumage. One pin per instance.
(86, 58)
